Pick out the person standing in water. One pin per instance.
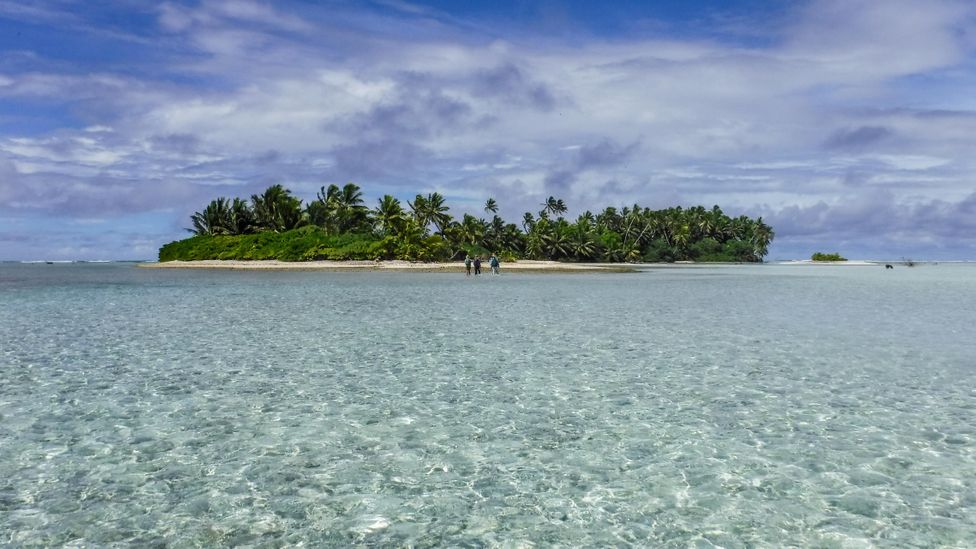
(477, 265)
(493, 263)
(467, 265)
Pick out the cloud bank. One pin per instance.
(845, 124)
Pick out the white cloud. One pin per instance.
(222, 13)
(864, 40)
(821, 112)
(913, 162)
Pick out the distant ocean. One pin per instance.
(733, 406)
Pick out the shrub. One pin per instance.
(658, 251)
(304, 244)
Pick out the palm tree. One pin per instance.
(554, 206)
(719, 223)
(318, 213)
(240, 219)
(471, 230)
(353, 214)
(512, 239)
(421, 213)
(538, 239)
(213, 220)
(277, 210)
(632, 227)
(681, 238)
(559, 240)
(341, 210)
(608, 219)
(613, 249)
(762, 236)
(633, 255)
(738, 227)
(491, 206)
(411, 243)
(430, 209)
(493, 233)
(582, 242)
(438, 211)
(389, 215)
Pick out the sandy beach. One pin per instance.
(525, 266)
(847, 263)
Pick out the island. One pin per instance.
(338, 227)
(833, 257)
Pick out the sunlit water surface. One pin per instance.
(732, 406)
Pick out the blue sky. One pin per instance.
(847, 124)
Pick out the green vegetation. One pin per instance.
(820, 256)
(338, 225)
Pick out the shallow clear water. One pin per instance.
(731, 406)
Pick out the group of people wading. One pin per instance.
(476, 263)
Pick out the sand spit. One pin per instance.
(403, 266)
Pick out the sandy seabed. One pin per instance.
(525, 266)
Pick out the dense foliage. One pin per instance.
(820, 256)
(339, 225)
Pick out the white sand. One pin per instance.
(274, 265)
(848, 263)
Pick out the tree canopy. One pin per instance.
(339, 225)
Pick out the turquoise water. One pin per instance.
(725, 406)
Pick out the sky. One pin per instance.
(848, 125)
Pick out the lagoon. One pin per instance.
(707, 405)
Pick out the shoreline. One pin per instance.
(525, 266)
(522, 266)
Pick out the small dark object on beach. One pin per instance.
(889, 266)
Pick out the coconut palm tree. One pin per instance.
(341, 210)
(431, 209)
(277, 210)
(471, 230)
(762, 236)
(213, 220)
(582, 243)
(554, 238)
(493, 233)
(681, 236)
(438, 211)
(421, 213)
(353, 213)
(491, 206)
(613, 248)
(608, 219)
(633, 255)
(554, 206)
(512, 238)
(411, 241)
(632, 224)
(389, 215)
(240, 219)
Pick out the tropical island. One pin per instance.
(338, 226)
(821, 256)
